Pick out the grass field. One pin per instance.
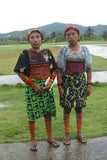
(13, 117)
(10, 53)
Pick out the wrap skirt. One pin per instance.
(75, 91)
(39, 104)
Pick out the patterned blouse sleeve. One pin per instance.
(20, 64)
(61, 59)
(52, 61)
(88, 58)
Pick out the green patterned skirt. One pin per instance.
(75, 91)
(39, 105)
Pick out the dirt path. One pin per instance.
(95, 149)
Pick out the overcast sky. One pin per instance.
(18, 15)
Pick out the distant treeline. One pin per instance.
(57, 37)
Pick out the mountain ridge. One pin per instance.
(55, 27)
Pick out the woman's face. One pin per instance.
(72, 36)
(35, 40)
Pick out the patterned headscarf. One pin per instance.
(34, 30)
(72, 27)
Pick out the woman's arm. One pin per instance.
(59, 83)
(51, 81)
(89, 83)
(37, 88)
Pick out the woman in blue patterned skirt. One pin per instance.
(72, 61)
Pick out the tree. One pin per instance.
(104, 35)
(53, 34)
(89, 32)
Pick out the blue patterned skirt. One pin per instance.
(75, 91)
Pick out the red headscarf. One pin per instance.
(74, 28)
(34, 30)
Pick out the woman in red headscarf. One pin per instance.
(34, 67)
(72, 61)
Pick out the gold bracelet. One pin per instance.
(89, 85)
(33, 84)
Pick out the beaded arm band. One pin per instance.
(59, 84)
(89, 83)
(27, 80)
(53, 75)
(59, 79)
(31, 83)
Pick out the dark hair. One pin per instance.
(34, 30)
(72, 27)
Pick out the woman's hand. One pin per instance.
(48, 86)
(37, 88)
(61, 92)
(88, 91)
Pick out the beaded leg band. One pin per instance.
(66, 122)
(48, 126)
(79, 121)
(32, 129)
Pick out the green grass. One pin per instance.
(10, 53)
(13, 117)
(99, 64)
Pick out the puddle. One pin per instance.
(4, 46)
(98, 50)
(2, 105)
(14, 79)
(10, 79)
(99, 76)
(6, 104)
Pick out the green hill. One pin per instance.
(54, 27)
